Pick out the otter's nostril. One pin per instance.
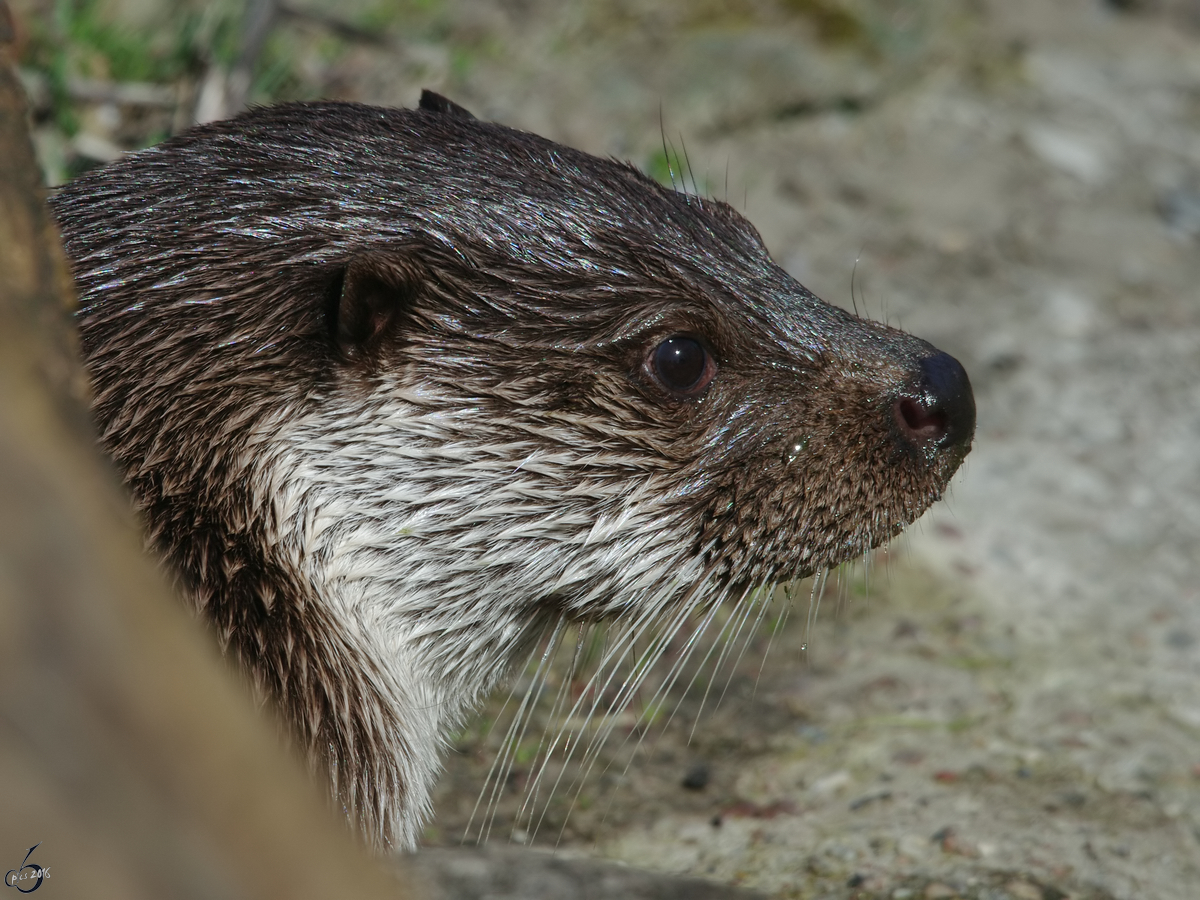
(924, 424)
(940, 412)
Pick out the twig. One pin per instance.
(123, 93)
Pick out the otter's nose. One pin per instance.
(938, 411)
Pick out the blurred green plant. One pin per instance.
(80, 41)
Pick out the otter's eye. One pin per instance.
(682, 365)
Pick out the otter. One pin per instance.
(396, 391)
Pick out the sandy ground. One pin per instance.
(1009, 708)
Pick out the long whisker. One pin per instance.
(539, 680)
(642, 668)
(582, 720)
(607, 674)
(777, 628)
(665, 687)
(763, 601)
(515, 734)
(608, 719)
(499, 762)
(671, 678)
(611, 661)
(721, 640)
(814, 604)
(542, 754)
(677, 667)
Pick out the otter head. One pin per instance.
(396, 391)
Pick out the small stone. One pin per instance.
(697, 777)
(1178, 639)
(1180, 210)
(1083, 156)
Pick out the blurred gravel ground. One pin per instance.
(1011, 709)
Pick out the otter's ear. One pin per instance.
(431, 102)
(369, 302)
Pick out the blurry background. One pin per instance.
(1005, 704)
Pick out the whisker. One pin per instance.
(665, 687)
(611, 660)
(642, 665)
(496, 767)
(764, 603)
(540, 679)
(726, 640)
(788, 598)
(814, 605)
(664, 640)
(666, 155)
(645, 665)
(608, 719)
(687, 161)
(531, 791)
(514, 735)
(677, 667)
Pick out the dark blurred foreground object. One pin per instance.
(131, 764)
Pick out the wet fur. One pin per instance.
(377, 380)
